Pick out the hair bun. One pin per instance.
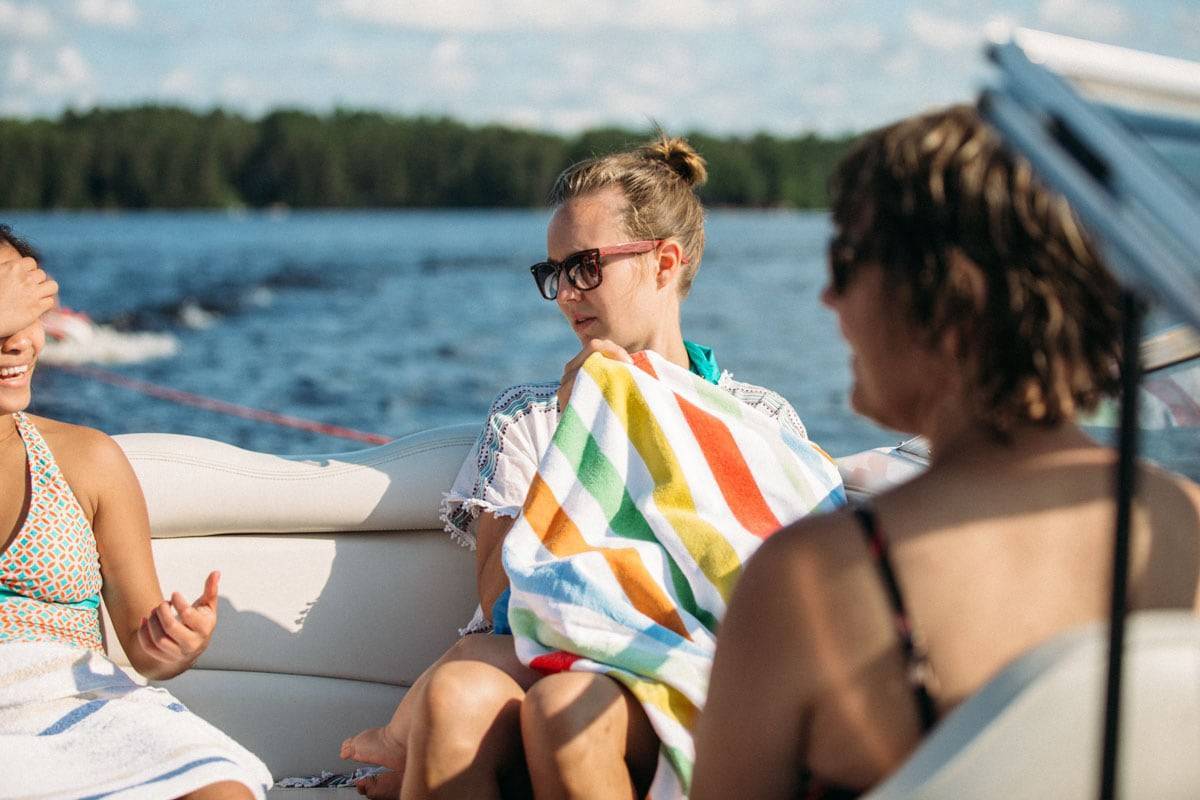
(680, 156)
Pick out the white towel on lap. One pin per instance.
(74, 725)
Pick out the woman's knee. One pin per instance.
(559, 708)
(466, 693)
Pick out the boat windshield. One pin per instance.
(1169, 404)
(1118, 133)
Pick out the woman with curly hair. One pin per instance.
(980, 317)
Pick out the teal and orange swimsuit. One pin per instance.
(50, 572)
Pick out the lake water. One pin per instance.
(392, 322)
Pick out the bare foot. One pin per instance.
(375, 746)
(383, 786)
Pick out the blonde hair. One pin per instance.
(659, 182)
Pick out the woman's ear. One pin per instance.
(670, 263)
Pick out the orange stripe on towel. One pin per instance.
(730, 470)
(729, 467)
(561, 537)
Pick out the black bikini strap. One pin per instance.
(915, 657)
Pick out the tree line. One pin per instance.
(167, 157)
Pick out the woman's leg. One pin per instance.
(585, 735)
(386, 746)
(465, 733)
(389, 745)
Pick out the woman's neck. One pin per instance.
(8, 427)
(963, 441)
(667, 338)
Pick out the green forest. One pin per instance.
(165, 157)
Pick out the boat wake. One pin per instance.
(73, 338)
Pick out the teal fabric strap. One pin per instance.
(702, 361)
(90, 603)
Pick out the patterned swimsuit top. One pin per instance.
(50, 571)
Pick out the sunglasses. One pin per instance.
(844, 257)
(583, 268)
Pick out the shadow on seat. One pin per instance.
(1035, 729)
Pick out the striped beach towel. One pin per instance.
(74, 725)
(655, 491)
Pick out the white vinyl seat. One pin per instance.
(1034, 731)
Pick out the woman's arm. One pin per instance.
(749, 739)
(490, 577)
(161, 638)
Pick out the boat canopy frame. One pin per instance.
(1144, 216)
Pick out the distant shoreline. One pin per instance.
(171, 158)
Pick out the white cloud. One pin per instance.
(903, 63)
(348, 60)
(237, 88)
(449, 69)
(24, 21)
(73, 70)
(67, 75)
(108, 13)
(20, 68)
(178, 82)
(517, 15)
(1088, 18)
(941, 32)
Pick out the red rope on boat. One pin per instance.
(219, 406)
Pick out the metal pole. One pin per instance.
(1126, 489)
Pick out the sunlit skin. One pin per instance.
(26, 291)
(995, 548)
(162, 637)
(477, 718)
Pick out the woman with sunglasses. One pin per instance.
(979, 316)
(623, 245)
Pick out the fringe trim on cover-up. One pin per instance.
(456, 514)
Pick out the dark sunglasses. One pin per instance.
(583, 268)
(844, 256)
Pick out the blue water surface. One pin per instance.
(396, 321)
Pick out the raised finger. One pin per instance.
(149, 643)
(199, 622)
(171, 625)
(167, 643)
(209, 597)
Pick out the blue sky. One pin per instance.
(725, 67)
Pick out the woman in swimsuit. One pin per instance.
(74, 530)
(623, 244)
(979, 317)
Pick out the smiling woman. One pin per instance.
(73, 532)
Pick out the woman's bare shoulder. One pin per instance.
(75, 442)
(89, 459)
(815, 562)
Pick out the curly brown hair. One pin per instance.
(969, 241)
(659, 181)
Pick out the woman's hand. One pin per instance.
(609, 349)
(175, 633)
(26, 292)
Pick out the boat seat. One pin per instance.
(338, 586)
(1034, 731)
